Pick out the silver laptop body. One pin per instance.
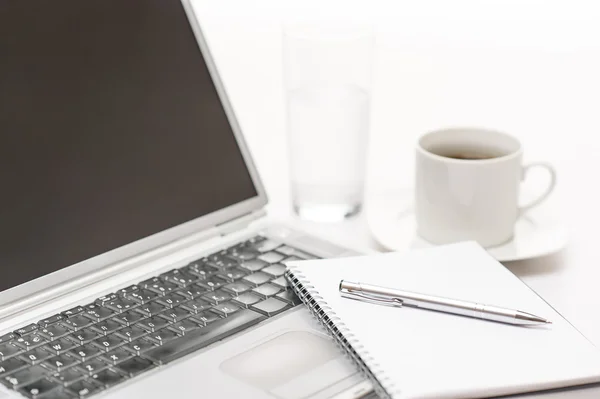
(287, 356)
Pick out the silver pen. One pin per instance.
(394, 297)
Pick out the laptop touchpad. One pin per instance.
(293, 365)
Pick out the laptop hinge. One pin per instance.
(239, 222)
(43, 297)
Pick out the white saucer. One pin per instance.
(392, 223)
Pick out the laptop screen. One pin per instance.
(111, 130)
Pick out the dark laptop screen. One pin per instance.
(111, 130)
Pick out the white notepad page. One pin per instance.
(425, 354)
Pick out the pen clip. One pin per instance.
(377, 299)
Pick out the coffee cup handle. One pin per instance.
(548, 190)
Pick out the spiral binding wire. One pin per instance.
(344, 338)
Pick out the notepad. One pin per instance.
(415, 353)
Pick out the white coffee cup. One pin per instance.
(467, 186)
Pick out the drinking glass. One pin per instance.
(327, 74)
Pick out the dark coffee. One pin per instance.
(469, 154)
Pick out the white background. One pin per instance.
(530, 68)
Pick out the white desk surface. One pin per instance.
(531, 68)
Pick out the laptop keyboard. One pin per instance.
(91, 347)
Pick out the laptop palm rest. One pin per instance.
(294, 365)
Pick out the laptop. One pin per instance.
(136, 260)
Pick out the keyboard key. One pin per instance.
(212, 283)
(128, 290)
(237, 287)
(286, 250)
(267, 245)
(222, 260)
(179, 277)
(7, 337)
(159, 286)
(244, 253)
(59, 393)
(196, 305)
(246, 299)
(289, 251)
(214, 257)
(256, 279)
(121, 305)
(73, 311)
(185, 326)
(270, 307)
(202, 337)
(140, 346)
(129, 318)
(84, 336)
(172, 300)
(117, 356)
(39, 388)
(266, 290)
(271, 257)
(60, 346)
(131, 333)
(77, 322)
(106, 298)
(232, 274)
(51, 320)
(276, 269)
(36, 355)
(97, 313)
(239, 247)
(54, 331)
(11, 365)
(30, 341)
(154, 323)
(225, 309)
(135, 366)
(24, 376)
(69, 376)
(162, 336)
(23, 331)
(88, 351)
(151, 309)
(281, 282)
(108, 378)
(109, 342)
(255, 240)
(142, 296)
(60, 362)
(289, 297)
(106, 327)
(84, 389)
(201, 270)
(176, 314)
(206, 317)
(291, 259)
(193, 291)
(218, 296)
(93, 366)
(7, 351)
(254, 265)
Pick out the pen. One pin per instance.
(394, 297)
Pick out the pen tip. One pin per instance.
(548, 322)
